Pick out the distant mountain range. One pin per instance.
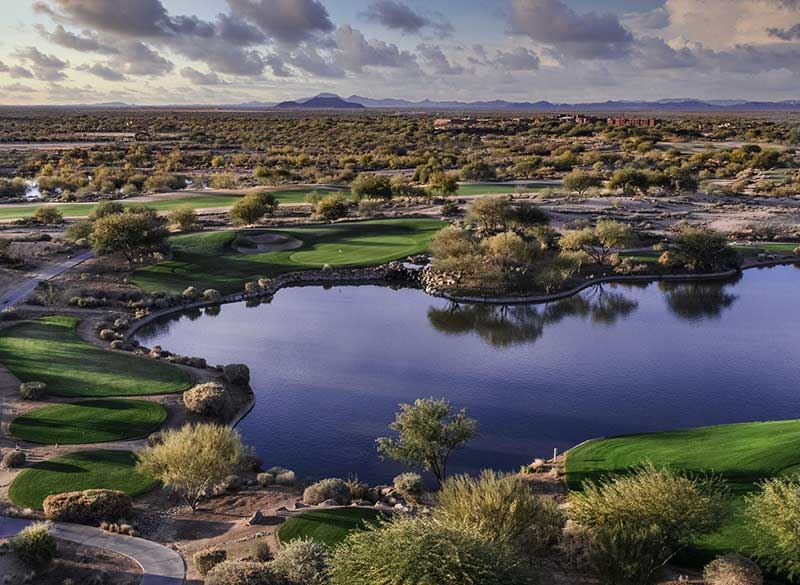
(329, 101)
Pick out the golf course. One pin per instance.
(214, 260)
(76, 368)
(741, 454)
(328, 527)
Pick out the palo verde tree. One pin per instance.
(598, 243)
(443, 184)
(368, 186)
(193, 459)
(428, 432)
(581, 181)
(135, 233)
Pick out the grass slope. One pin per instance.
(209, 260)
(465, 189)
(329, 527)
(113, 470)
(743, 454)
(49, 350)
(89, 421)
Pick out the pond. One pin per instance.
(330, 366)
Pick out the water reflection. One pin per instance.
(507, 325)
(697, 301)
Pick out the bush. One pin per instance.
(80, 230)
(628, 555)
(48, 216)
(302, 562)
(212, 296)
(327, 489)
(501, 508)
(243, 573)
(34, 545)
(774, 518)
(450, 209)
(237, 374)
(419, 550)
(205, 399)
(368, 207)
(191, 294)
(248, 210)
(276, 476)
(87, 507)
(331, 208)
(33, 390)
(207, 559)
(732, 569)
(14, 459)
(409, 485)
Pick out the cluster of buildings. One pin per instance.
(640, 122)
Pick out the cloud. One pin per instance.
(138, 17)
(70, 40)
(356, 52)
(137, 58)
(655, 53)
(786, 34)
(3, 67)
(288, 21)
(398, 16)
(45, 67)
(517, 59)
(199, 78)
(19, 72)
(309, 60)
(436, 59)
(583, 36)
(656, 19)
(17, 88)
(102, 71)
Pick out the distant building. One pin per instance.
(639, 122)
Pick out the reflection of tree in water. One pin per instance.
(506, 325)
(694, 301)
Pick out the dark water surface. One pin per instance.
(330, 367)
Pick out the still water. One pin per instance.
(330, 366)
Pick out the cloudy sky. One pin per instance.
(231, 51)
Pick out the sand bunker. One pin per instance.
(259, 243)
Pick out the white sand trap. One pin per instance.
(269, 243)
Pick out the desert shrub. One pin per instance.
(80, 230)
(302, 562)
(327, 489)
(207, 559)
(205, 399)
(331, 208)
(650, 514)
(265, 479)
(450, 209)
(243, 573)
(87, 507)
(106, 208)
(237, 374)
(33, 390)
(732, 569)
(797, 251)
(191, 294)
(409, 485)
(501, 508)
(34, 545)
(420, 550)
(276, 475)
(212, 296)
(369, 207)
(48, 216)
(774, 521)
(704, 250)
(14, 459)
(248, 210)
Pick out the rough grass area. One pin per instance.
(89, 421)
(210, 260)
(466, 189)
(329, 527)
(49, 350)
(743, 454)
(113, 470)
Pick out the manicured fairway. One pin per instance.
(465, 189)
(113, 470)
(743, 454)
(89, 421)
(328, 527)
(49, 350)
(209, 260)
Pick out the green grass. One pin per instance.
(89, 421)
(209, 260)
(768, 248)
(466, 189)
(49, 350)
(742, 454)
(113, 470)
(329, 527)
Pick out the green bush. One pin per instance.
(418, 550)
(243, 573)
(237, 374)
(732, 569)
(774, 521)
(276, 476)
(14, 459)
(302, 562)
(207, 559)
(33, 390)
(628, 555)
(409, 485)
(205, 399)
(331, 208)
(88, 506)
(327, 489)
(501, 508)
(34, 545)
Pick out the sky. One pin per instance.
(158, 52)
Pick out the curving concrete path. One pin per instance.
(49, 271)
(160, 565)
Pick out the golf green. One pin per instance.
(49, 350)
(211, 260)
(89, 421)
(85, 470)
(329, 527)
